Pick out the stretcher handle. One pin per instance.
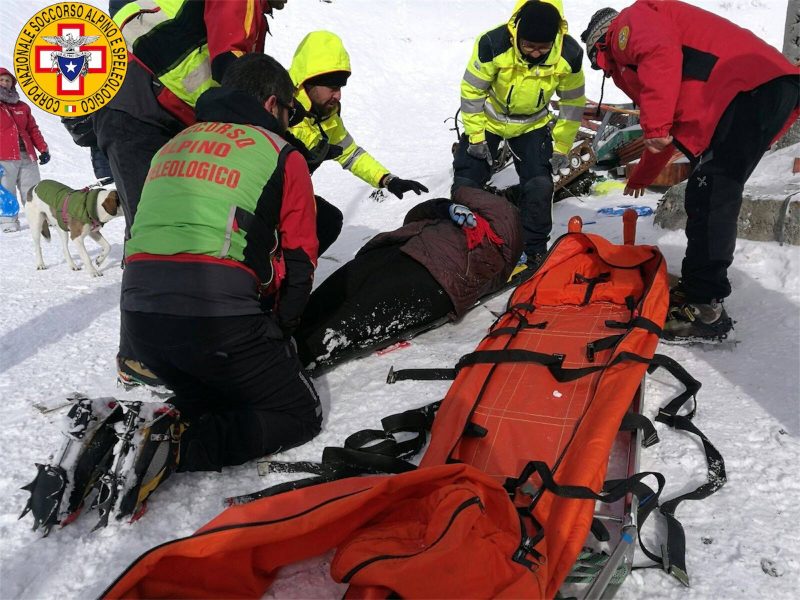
(629, 226)
(575, 224)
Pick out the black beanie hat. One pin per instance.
(334, 79)
(538, 22)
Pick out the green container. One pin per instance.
(608, 151)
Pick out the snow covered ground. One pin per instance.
(58, 328)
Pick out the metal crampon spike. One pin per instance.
(46, 491)
(106, 496)
(109, 483)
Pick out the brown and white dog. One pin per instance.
(75, 214)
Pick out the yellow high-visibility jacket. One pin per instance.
(504, 94)
(186, 45)
(323, 52)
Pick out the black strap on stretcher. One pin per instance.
(369, 451)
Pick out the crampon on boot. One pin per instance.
(146, 453)
(695, 322)
(61, 487)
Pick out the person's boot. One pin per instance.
(692, 321)
(62, 486)
(145, 455)
(11, 225)
(526, 267)
(535, 261)
(677, 294)
(133, 373)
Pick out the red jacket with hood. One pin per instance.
(683, 66)
(16, 121)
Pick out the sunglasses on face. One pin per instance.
(291, 108)
(599, 45)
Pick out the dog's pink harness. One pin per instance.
(96, 224)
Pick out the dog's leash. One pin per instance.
(100, 183)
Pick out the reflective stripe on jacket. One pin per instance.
(502, 93)
(184, 43)
(323, 52)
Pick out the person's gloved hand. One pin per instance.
(480, 151)
(462, 216)
(288, 326)
(400, 186)
(558, 161)
(44, 158)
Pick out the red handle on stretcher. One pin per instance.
(629, 226)
(575, 224)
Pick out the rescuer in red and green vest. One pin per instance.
(176, 50)
(219, 268)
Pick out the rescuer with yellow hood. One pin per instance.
(510, 78)
(319, 70)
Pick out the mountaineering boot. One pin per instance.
(697, 322)
(146, 453)
(535, 261)
(132, 373)
(11, 226)
(60, 488)
(677, 294)
(526, 267)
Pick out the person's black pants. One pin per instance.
(366, 303)
(130, 145)
(329, 223)
(100, 166)
(243, 394)
(531, 153)
(714, 190)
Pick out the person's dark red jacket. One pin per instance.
(683, 66)
(16, 121)
(430, 237)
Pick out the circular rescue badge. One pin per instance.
(70, 59)
(624, 36)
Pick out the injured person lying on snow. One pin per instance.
(445, 257)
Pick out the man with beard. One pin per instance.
(511, 75)
(319, 70)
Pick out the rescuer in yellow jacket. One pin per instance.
(513, 72)
(319, 70)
